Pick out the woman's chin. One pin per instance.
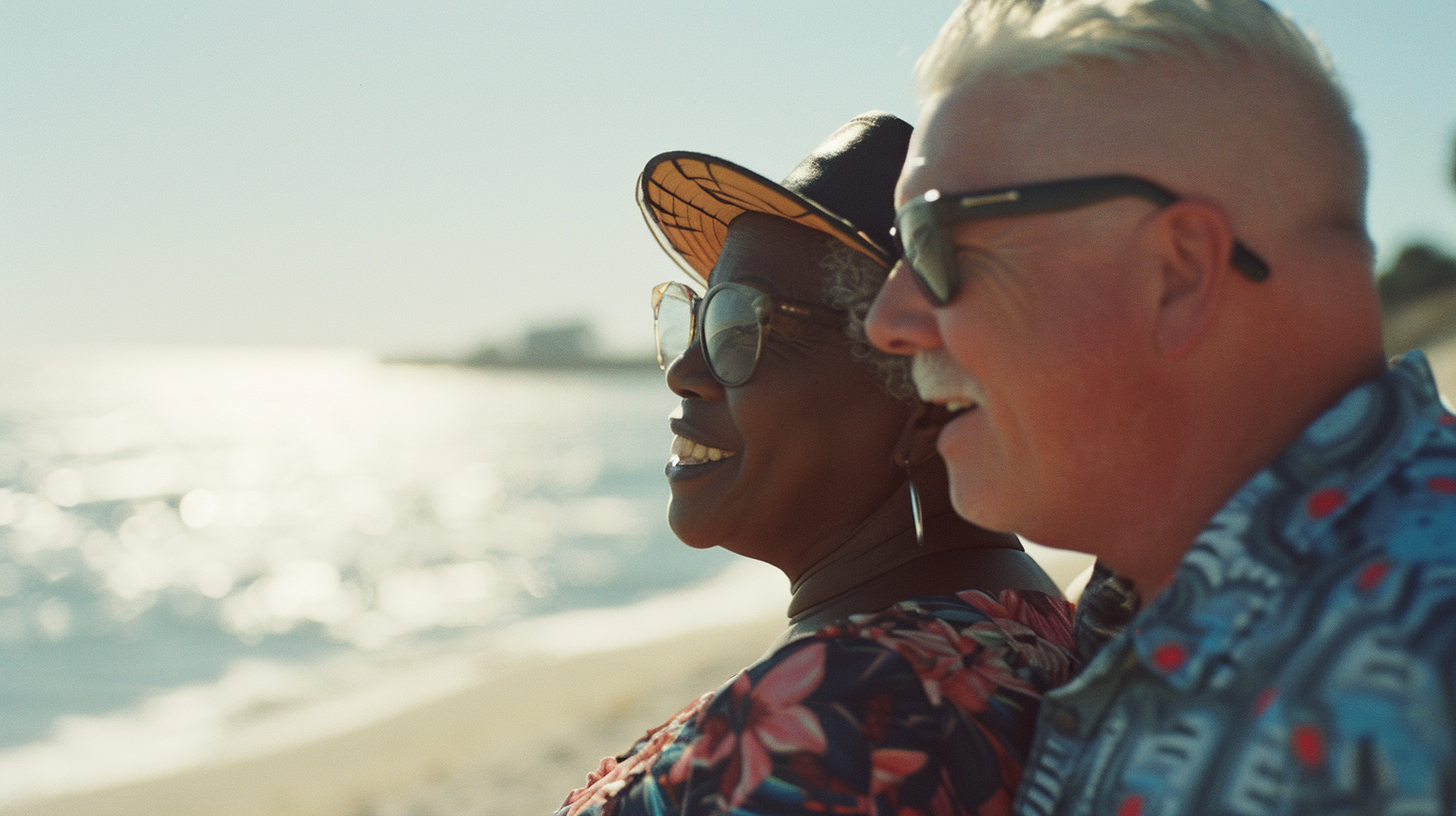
(689, 526)
(692, 537)
(699, 500)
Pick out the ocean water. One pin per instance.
(184, 533)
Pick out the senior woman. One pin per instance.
(918, 645)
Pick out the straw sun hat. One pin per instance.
(844, 188)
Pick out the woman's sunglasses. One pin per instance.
(922, 224)
(731, 320)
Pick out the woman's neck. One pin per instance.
(883, 563)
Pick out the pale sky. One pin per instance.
(422, 176)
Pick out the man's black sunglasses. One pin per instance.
(922, 224)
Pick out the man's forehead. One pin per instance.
(966, 138)
(913, 179)
(995, 131)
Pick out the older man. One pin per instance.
(1137, 271)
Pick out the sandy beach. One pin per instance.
(513, 744)
(512, 737)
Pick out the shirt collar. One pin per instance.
(1282, 516)
(1353, 448)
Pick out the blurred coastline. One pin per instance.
(568, 346)
(467, 630)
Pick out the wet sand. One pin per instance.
(515, 743)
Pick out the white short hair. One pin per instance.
(1037, 38)
(1024, 37)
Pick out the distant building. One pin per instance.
(564, 346)
(570, 344)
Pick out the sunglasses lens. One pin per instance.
(731, 336)
(673, 323)
(929, 252)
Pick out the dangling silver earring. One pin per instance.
(916, 514)
(902, 458)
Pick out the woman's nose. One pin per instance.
(901, 320)
(688, 376)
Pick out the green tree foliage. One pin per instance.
(1418, 293)
(1419, 270)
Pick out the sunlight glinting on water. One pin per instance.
(268, 490)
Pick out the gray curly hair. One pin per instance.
(851, 281)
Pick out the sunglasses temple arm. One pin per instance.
(1249, 265)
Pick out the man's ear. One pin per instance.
(1197, 243)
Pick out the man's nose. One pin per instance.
(902, 320)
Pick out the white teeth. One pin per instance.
(687, 452)
(956, 406)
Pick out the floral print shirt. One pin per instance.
(922, 708)
(1303, 661)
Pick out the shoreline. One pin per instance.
(515, 742)
(507, 735)
(507, 724)
(326, 737)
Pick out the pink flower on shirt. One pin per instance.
(612, 775)
(773, 720)
(890, 766)
(962, 666)
(1024, 614)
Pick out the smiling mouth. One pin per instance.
(941, 383)
(687, 452)
(944, 409)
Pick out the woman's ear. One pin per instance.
(917, 441)
(1197, 244)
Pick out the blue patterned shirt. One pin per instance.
(1304, 658)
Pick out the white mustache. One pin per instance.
(938, 379)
